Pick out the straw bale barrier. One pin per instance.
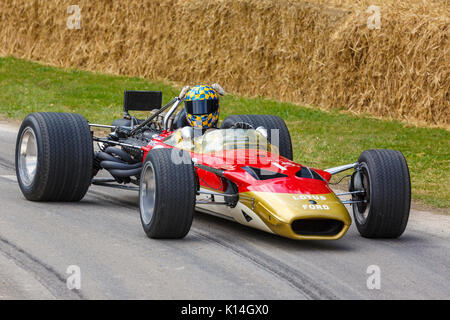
(319, 53)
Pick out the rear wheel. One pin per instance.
(54, 157)
(269, 122)
(383, 176)
(167, 194)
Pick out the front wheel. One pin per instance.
(167, 194)
(382, 177)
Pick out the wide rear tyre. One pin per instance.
(383, 175)
(269, 122)
(54, 157)
(167, 194)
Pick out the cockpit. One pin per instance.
(217, 140)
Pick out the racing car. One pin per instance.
(181, 161)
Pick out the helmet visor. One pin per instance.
(201, 106)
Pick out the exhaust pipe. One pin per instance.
(118, 163)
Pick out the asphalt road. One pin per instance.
(102, 235)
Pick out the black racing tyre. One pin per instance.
(54, 157)
(269, 122)
(167, 194)
(383, 175)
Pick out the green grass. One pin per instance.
(321, 139)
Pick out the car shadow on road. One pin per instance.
(214, 227)
(219, 229)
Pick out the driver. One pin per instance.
(202, 107)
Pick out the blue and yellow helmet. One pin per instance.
(202, 107)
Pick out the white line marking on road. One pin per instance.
(9, 177)
(8, 128)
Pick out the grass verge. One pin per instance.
(321, 139)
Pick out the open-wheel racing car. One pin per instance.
(180, 161)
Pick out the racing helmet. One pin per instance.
(202, 107)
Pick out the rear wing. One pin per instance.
(141, 101)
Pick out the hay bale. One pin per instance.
(316, 52)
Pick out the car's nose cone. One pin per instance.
(300, 216)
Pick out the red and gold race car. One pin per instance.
(241, 171)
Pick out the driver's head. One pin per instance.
(202, 107)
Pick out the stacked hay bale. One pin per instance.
(316, 52)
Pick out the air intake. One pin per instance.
(308, 173)
(317, 227)
(261, 174)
